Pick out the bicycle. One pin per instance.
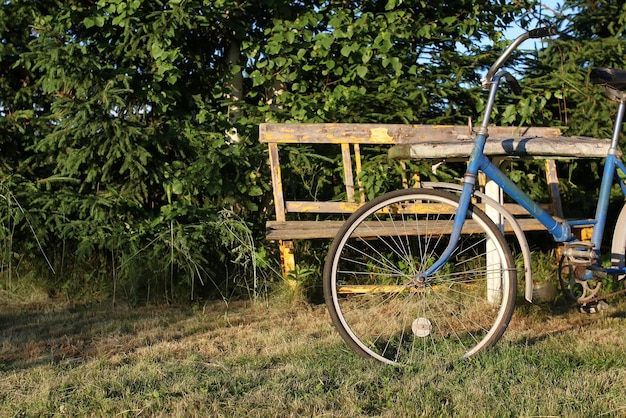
(423, 274)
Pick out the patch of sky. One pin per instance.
(543, 15)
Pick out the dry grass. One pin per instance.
(285, 359)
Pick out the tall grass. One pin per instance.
(138, 262)
(275, 358)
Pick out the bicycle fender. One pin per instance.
(517, 230)
(618, 246)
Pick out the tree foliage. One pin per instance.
(558, 91)
(129, 127)
(591, 34)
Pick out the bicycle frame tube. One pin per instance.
(468, 182)
(560, 230)
(478, 161)
(603, 201)
(619, 181)
(608, 175)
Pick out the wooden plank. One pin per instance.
(359, 168)
(321, 207)
(349, 207)
(292, 230)
(277, 183)
(369, 133)
(558, 147)
(328, 229)
(553, 187)
(378, 288)
(347, 171)
(356, 289)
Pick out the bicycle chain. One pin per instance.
(599, 298)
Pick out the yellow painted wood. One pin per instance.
(586, 233)
(442, 142)
(553, 188)
(349, 207)
(288, 262)
(321, 207)
(277, 183)
(368, 133)
(366, 289)
(347, 171)
(363, 289)
(359, 168)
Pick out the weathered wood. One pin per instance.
(350, 207)
(355, 289)
(293, 230)
(277, 183)
(321, 207)
(365, 133)
(359, 168)
(347, 171)
(555, 192)
(372, 288)
(406, 142)
(534, 147)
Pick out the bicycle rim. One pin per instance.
(382, 307)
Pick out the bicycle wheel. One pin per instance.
(381, 306)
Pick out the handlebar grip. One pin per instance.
(513, 84)
(542, 32)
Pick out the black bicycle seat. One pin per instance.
(609, 77)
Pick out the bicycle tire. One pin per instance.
(385, 312)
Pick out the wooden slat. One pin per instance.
(292, 230)
(321, 207)
(538, 147)
(347, 171)
(553, 186)
(328, 229)
(349, 207)
(357, 289)
(374, 288)
(359, 168)
(277, 183)
(366, 133)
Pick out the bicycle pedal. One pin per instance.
(594, 307)
(580, 253)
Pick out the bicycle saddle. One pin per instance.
(612, 79)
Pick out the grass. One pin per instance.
(285, 359)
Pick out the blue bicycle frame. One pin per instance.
(561, 230)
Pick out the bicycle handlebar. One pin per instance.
(542, 32)
(532, 34)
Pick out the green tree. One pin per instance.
(591, 34)
(363, 61)
(558, 91)
(132, 125)
(136, 137)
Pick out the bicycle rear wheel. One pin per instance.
(381, 306)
